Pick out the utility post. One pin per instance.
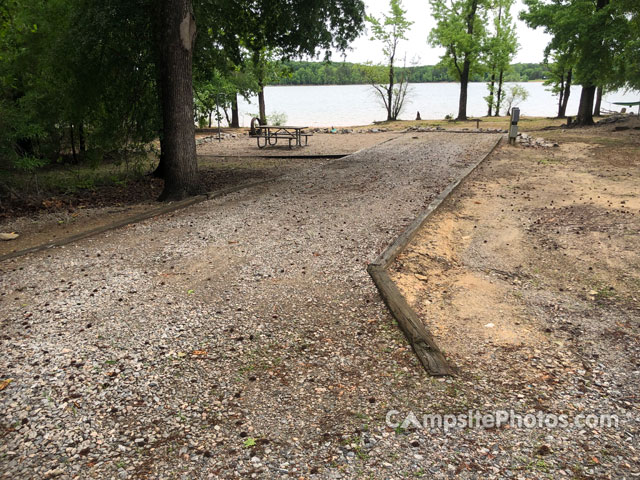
(513, 128)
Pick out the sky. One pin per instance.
(532, 42)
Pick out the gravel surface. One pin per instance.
(318, 144)
(239, 338)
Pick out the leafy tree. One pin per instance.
(560, 77)
(390, 30)
(104, 75)
(515, 95)
(461, 31)
(502, 45)
(595, 32)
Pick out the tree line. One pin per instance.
(345, 73)
(93, 79)
(595, 44)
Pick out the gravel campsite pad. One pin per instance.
(238, 338)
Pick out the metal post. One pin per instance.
(513, 128)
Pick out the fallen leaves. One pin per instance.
(9, 236)
(5, 383)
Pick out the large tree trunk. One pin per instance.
(177, 32)
(235, 117)
(261, 107)
(161, 169)
(596, 108)
(464, 84)
(585, 110)
(466, 66)
(499, 94)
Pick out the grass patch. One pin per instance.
(66, 178)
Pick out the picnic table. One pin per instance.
(270, 134)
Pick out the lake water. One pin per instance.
(346, 105)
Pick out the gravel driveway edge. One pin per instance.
(421, 340)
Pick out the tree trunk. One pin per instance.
(73, 144)
(491, 90)
(585, 110)
(226, 114)
(464, 84)
(262, 112)
(561, 96)
(390, 115)
(161, 169)
(565, 97)
(83, 146)
(466, 66)
(499, 95)
(177, 31)
(235, 117)
(210, 118)
(596, 108)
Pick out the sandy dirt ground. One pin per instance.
(529, 279)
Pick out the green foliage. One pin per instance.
(590, 35)
(81, 78)
(345, 73)
(277, 118)
(390, 31)
(461, 30)
(501, 47)
(515, 95)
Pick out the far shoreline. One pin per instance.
(368, 84)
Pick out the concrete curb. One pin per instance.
(425, 347)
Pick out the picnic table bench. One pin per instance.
(270, 134)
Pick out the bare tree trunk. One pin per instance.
(210, 118)
(565, 97)
(73, 144)
(263, 111)
(177, 31)
(499, 95)
(596, 108)
(464, 84)
(491, 91)
(235, 117)
(585, 110)
(160, 170)
(466, 66)
(561, 95)
(83, 146)
(390, 115)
